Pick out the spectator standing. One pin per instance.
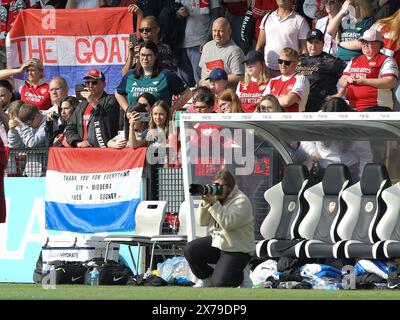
(149, 30)
(231, 243)
(291, 87)
(370, 78)
(35, 90)
(355, 17)
(332, 8)
(95, 119)
(200, 15)
(255, 81)
(147, 77)
(322, 70)
(279, 29)
(222, 52)
(389, 29)
(260, 9)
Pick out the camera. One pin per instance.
(78, 89)
(54, 115)
(214, 189)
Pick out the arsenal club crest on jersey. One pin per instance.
(43, 91)
(289, 87)
(332, 206)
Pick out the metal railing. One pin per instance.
(27, 162)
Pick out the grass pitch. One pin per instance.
(81, 292)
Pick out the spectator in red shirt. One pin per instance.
(370, 78)
(35, 90)
(255, 81)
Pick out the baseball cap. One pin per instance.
(95, 74)
(218, 74)
(315, 34)
(253, 56)
(371, 35)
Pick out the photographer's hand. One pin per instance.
(208, 198)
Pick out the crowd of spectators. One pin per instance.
(225, 55)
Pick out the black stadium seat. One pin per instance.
(327, 208)
(287, 209)
(370, 207)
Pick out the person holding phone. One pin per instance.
(148, 31)
(95, 120)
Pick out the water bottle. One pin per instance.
(94, 277)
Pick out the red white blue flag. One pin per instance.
(93, 189)
(70, 42)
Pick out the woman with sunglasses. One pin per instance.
(148, 31)
(148, 77)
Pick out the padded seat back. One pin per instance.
(374, 179)
(287, 204)
(327, 207)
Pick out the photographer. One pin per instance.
(229, 217)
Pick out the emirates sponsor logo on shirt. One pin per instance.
(360, 70)
(33, 97)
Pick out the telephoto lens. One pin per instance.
(206, 189)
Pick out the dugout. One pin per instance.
(256, 147)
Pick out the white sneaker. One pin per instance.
(247, 282)
(203, 283)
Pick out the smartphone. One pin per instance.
(144, 116)
(133, 38)
(78, 89)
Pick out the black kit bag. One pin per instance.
(111, 273)
(65, 272)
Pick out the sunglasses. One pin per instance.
(141, 30)
(285, 62)
(90, 82)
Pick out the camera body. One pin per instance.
(213, 189)
(78, 89)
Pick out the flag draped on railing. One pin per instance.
(93, 190)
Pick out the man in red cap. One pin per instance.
(95, 120)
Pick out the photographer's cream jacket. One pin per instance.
(234, 219)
